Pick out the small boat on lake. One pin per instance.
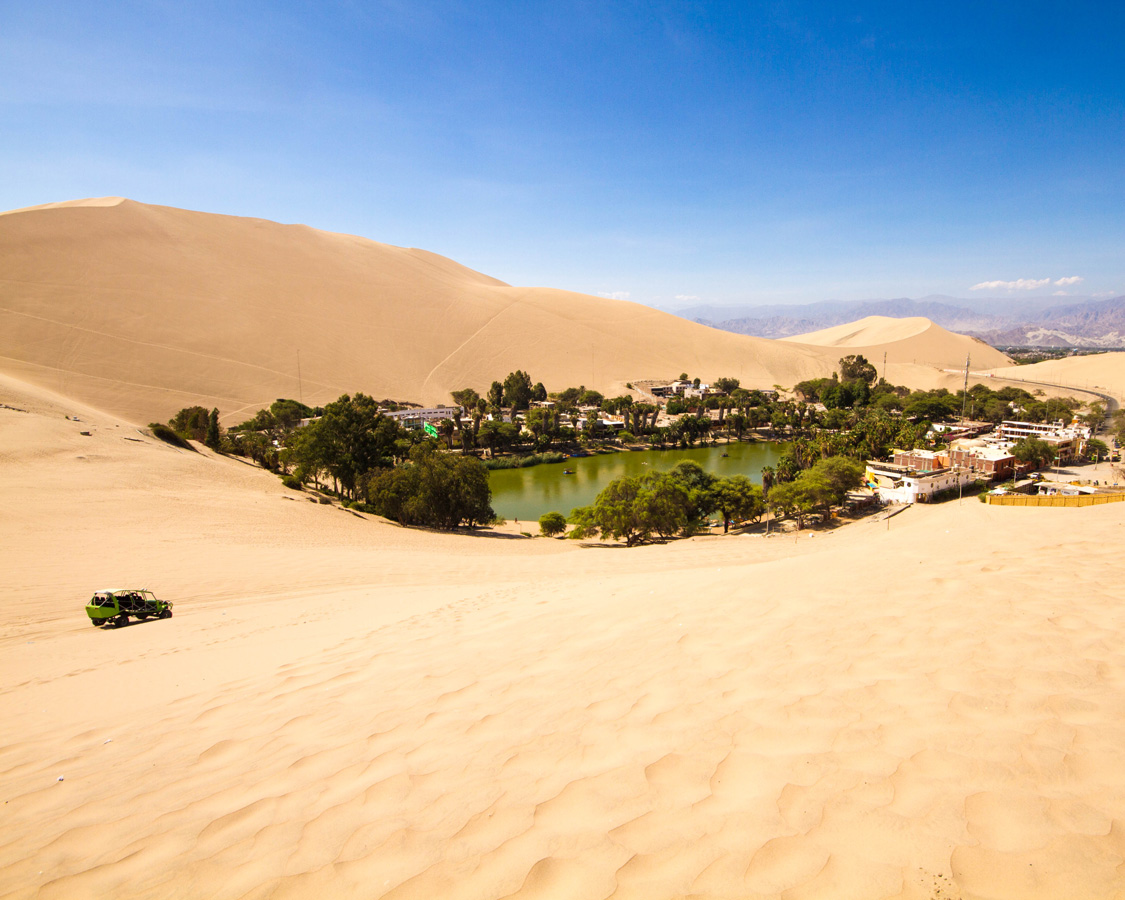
(568, 471)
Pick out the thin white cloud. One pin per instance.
(1020, 284)
(615, 295)
(1070, 279)
(1100, 295)
(686, 297)
(1060, 293)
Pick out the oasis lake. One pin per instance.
(526, 494)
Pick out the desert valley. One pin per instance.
(919, 705)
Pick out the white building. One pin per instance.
(1068, 441)
(415, 418)
(900, 484)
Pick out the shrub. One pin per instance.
(636, 508)
(166, 434)
(522, 462)
(292, 481)
(191, 423)
(434, 489)
(551, 524)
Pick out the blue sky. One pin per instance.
(732, 152)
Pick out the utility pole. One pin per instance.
(965, 394)
(964, 400)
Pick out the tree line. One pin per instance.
(375, 464)
(371, 462)
(639, 509)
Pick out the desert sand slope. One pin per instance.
(1103, 372)
(865, 332)
(913, 340)
(144, 309)
(345, 708)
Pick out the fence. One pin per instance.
(1083, 500)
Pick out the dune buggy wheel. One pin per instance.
(166, 613)
(121, 620)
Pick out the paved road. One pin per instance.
(1111, 404)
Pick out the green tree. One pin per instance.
(933, 406)
(634, 509)
(727, 385)
(287, 414)
(665, 505)
(1033, 451)
(540, 422)
(259, 448)
(446, 428)
(1094, 416)
(815, 388)
(857, 368)
(820, 488)
(353, 438)
(436, 489)
(1097, 449)
(517, 390)
(497, 435)
(263, 420)
(699, 484)
(793, 498)
(191, 423)
(307, 452)
(838, 474)
(466, 397)
(551, 524)
(738, 499)
(613, 515)
(214, 438)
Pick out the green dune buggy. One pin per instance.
(117, 605)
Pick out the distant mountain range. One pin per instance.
(1080, 322)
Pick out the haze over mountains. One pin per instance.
(141, 310)
(1069, 322)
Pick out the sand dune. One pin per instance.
(341, 707)
(1100, 372)
(141, 310)
(912, 341)
(866, 332)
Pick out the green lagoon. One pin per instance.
(526, 494)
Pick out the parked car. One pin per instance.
(117, 605)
